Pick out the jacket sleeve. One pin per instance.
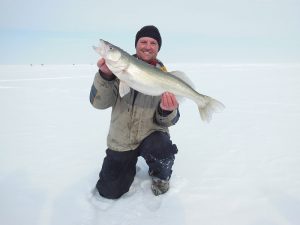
(104, 92)
(166, 118)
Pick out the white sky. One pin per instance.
(63, 31)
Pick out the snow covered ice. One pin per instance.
(243, 168)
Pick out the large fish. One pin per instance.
(150, 80)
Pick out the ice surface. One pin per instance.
(243, 168)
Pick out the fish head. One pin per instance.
(116, 59)
(109, 52)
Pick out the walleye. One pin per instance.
(150, 80)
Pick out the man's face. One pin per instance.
(147, 49)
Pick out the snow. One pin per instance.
(243, 168)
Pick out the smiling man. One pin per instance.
(139, 125)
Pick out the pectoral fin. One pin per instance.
(123, 89)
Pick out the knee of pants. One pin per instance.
(117, 174)
(158, 145)
(112, 190)
(115, 186)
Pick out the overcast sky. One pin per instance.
(63, 31)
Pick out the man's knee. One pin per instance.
(117, 174)
(158, 145)
(110, 190)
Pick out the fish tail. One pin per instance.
(209, 106)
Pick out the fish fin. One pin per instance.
(123, 89)
(208, 107)
(182, 76)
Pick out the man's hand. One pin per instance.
(168, 102)
(103, 67)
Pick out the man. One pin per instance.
(139, 125)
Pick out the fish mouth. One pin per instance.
(103, 48)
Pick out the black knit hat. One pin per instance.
(149, 31)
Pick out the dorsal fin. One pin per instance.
(182, 76)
